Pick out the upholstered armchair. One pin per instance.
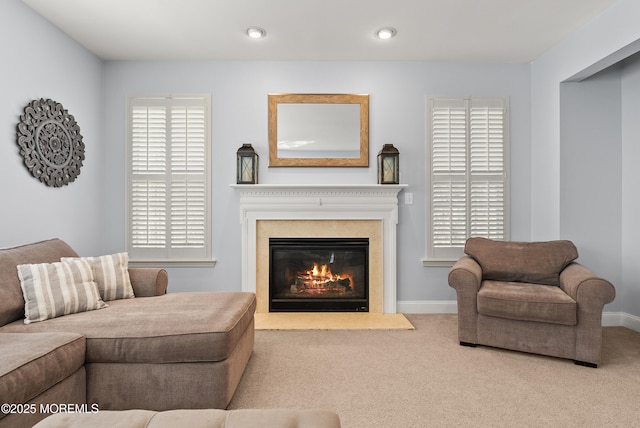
(531, 297)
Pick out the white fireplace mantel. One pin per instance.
(321, 202)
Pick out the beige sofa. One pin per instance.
(531, 297)
(156, 351)
(245, 418)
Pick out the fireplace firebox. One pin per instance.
(318, 274)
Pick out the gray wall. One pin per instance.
(590, 172)
(600, 178)
(239, 91)
(629, 290)
(605, 40)
(39, 61)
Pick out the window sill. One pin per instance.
(438, 262)
(173, 263)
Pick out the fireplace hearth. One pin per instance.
(318, 274)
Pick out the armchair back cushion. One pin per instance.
(530, 262)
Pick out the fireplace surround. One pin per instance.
(282, 211)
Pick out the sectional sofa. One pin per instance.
(137, 348)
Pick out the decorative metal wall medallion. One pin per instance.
(50, 142)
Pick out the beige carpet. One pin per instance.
(331, 321)
(424, 378)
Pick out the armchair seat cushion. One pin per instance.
(526, 302)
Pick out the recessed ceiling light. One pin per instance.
(385, 33)
(256, 32)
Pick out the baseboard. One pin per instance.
(428, 307)
(621, 319)
(609, 319)
(613, 319)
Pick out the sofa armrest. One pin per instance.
(466, 274)
(147, 282)
(466, 277)
(585, 287)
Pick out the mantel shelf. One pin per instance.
(364, 187)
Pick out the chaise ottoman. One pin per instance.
(174, 351)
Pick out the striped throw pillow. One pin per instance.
(51, 290)
(112, 275)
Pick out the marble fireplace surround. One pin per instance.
(371, 229)
(365, 210)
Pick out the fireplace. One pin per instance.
(318, 274)
(312, 210)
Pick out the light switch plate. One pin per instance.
(408, 198)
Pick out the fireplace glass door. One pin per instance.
(318, 274)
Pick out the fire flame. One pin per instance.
(320, 277)
(323, 272)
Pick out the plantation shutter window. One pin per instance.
(468, 170)
(168, 180)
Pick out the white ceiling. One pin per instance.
(506, 31)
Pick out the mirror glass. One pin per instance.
(318, 130)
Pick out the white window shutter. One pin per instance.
(148, 214)
(488, 168)
(169, 176)
(188, 214)
(467, 147)
(448, 172)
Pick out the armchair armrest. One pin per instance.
(591, 293)
(585, 287)
(147, 282)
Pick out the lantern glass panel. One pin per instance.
(388, 169)
(246, 169)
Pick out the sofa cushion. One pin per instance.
(173, 328)
(32, 363)
(529, 262)
(111, 274)
(11, 300)
(196, 418)
(526, 302)
(54, 289)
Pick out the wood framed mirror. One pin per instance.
(319, 130)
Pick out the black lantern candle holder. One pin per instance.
(247, 167)
(389, 165)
